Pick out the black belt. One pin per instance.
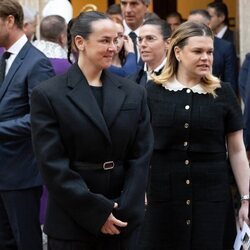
(108, 165)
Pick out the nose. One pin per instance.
(112, 46)
(204, 56)
(127, 8)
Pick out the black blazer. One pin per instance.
(68, 126)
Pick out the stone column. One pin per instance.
(243, 16)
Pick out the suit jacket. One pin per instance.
(18, 168)
(244, 81)
(68, 127)
(247, 117)
(229, 36)
(225, 62)
(244, 77)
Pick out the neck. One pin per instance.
(187, 80)
(15, 35)
(116, 60)
(92, 74)
(153, 65)
(219, 28)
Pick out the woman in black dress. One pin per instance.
(197, 125)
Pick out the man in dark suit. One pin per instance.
(219, 21)
(133, 12)
(225, 61)
(20, 182)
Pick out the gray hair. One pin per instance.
(29, 14)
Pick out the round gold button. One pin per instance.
(188, 222)
(186, 125)
(188, 202)
(186, 162)
(187, 107)
(188, 91)
(187, 182)
(185, 143)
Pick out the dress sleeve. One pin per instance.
(233, 118)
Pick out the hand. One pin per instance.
(111, 224)
(243, 213)
(128, 45)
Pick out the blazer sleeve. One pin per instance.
(231, 68)
(65, 186)
(20, 126)
(132, 200)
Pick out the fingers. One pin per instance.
(110, 226)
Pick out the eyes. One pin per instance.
(148, 39)
(199, 51)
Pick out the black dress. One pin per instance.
(189, 200)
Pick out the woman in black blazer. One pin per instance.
(93, 142)
(197, 125)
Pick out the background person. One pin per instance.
(20, 181)
(95, 170)
(153, 43)
(197, 124)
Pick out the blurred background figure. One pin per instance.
(58, 7)
(153, 45)
(174, 20)
(219, 21)
(133, 12)
(30, 22)
(225, 60)
(114, 12)
(124, 60)
(53, 33)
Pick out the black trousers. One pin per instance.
(115, 242)
(19, 219)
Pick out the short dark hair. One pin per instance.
(13, 8)
(52, 27)
(175, 14)
(162, 24)
(202, 12)
(221, 9)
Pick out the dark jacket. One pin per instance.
(18, 169)
(69, 127)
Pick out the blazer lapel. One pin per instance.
(14, 67)
(81, 95)
(113, 97)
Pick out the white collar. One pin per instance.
(127, 30)
(221, 33)
(158, 68)
(17, 46)
(175, 85)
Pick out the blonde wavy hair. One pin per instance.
(180, 38)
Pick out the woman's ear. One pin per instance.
(79, 43)
(177, 51)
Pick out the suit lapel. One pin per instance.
(113, 97)
(81, 95)
(14, 67)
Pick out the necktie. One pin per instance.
(3, 59)
(133, 36)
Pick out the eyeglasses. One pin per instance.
(148, 39)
